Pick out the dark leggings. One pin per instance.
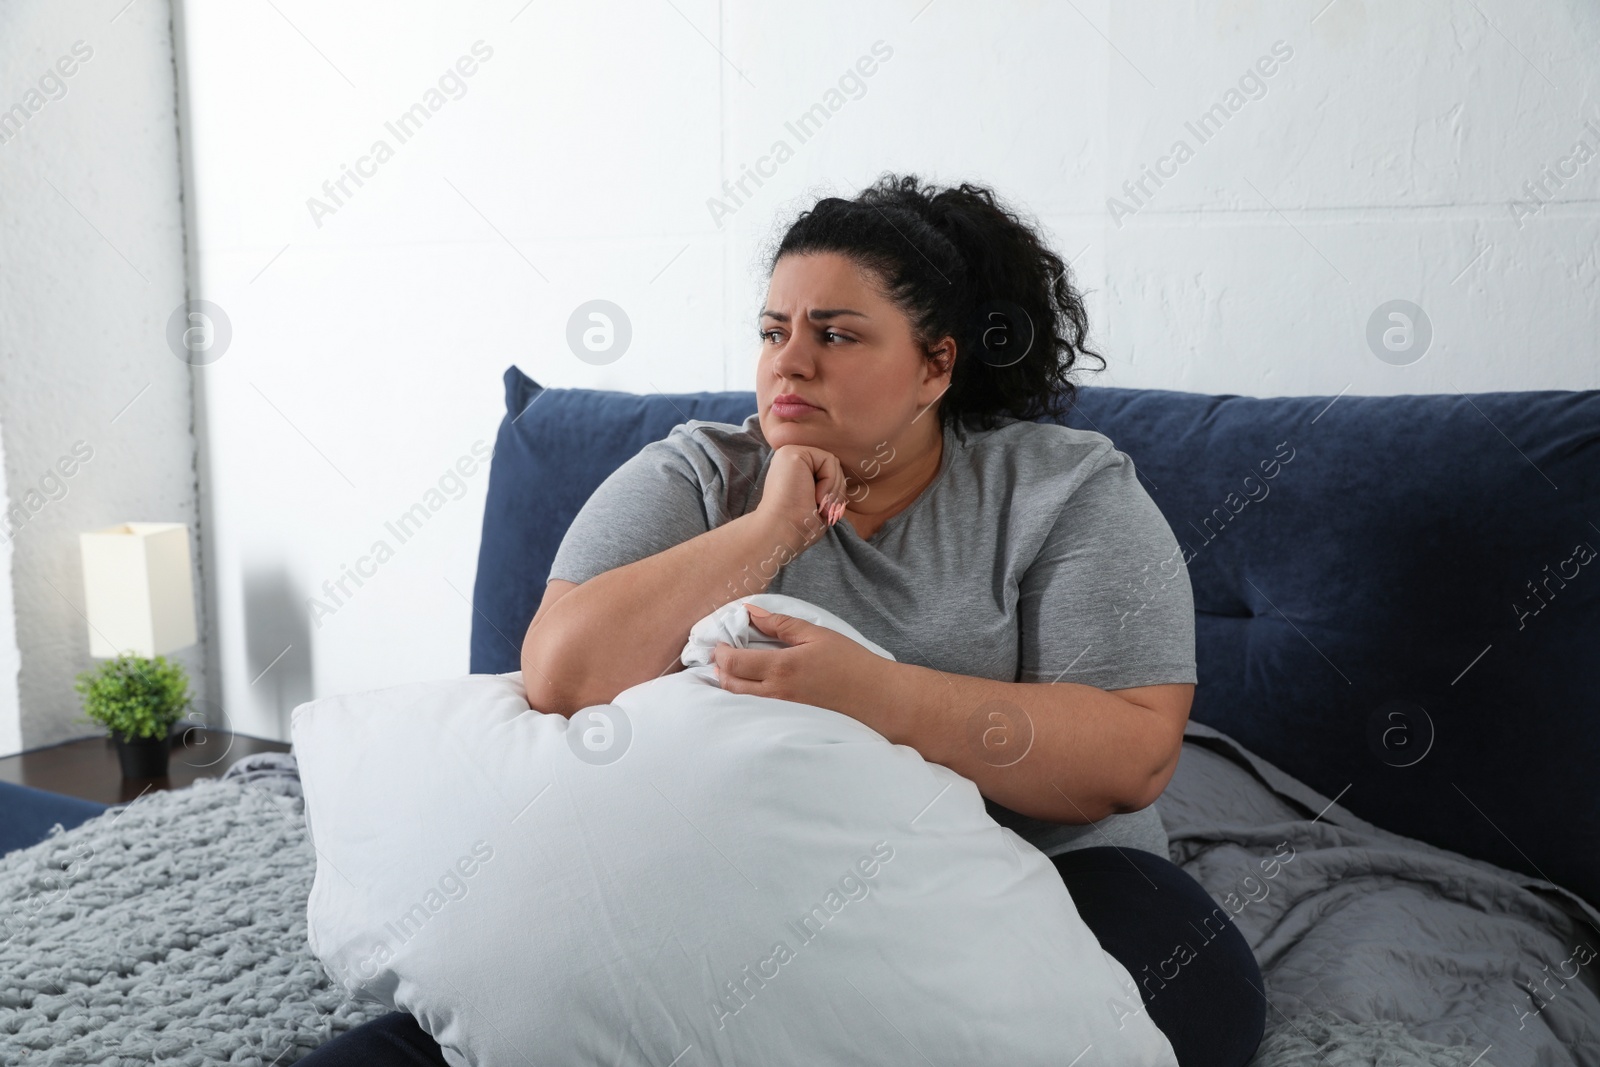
(1198, 978)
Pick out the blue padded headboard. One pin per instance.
(1397, 597)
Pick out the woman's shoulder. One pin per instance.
(1044, 451)
(725, 444)
(1058, 478)
(732, 435)
(726, 460)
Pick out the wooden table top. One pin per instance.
(88, 767)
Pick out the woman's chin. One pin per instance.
(780, 431)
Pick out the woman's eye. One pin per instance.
(828, 336)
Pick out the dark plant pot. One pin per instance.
(144, 757)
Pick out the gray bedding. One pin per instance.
(1376, 943)
(172, 930)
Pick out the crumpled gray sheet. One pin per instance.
(1377, 948)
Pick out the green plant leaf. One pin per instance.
(135, 697)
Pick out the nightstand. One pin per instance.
(88, 767)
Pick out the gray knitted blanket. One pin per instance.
(172, 930)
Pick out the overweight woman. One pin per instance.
(1033, 594)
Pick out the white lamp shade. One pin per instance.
(137, 590)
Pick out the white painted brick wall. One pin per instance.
(1378, 161)
(91, 265)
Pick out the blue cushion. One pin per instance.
(1361, 571)
(26, 814)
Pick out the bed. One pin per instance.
(1405, 835)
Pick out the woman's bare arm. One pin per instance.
(589, 642)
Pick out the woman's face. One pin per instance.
(831, 337)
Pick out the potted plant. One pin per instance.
(138, 700)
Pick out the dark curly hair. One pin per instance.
(961, 263)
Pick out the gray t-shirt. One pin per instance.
(1035, 555)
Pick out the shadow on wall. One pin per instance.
(277, 648)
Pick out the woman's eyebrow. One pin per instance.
(815, 316)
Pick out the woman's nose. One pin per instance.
(795, 359)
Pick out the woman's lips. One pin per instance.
(792, 408)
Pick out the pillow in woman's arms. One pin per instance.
(689, 876)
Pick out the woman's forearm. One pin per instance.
(629, 624)
(1065, 752)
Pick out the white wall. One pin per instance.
(95, 409)
(1378, 164)
(10, 654)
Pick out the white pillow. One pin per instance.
(688, 876)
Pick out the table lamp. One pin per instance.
(137, 589)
